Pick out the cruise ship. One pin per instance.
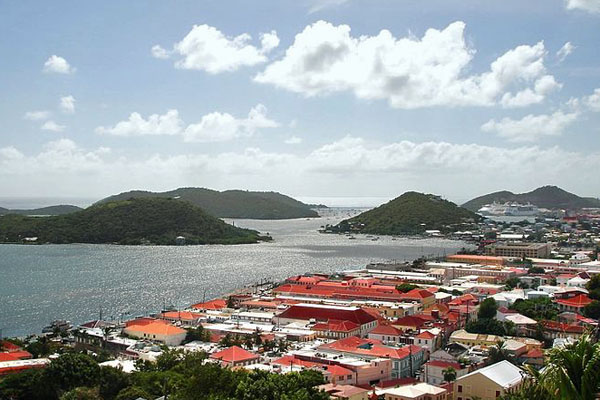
(509, 209)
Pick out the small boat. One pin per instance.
(351, 238)
(59, 325)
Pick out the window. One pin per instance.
(459, 389)
(497, 393)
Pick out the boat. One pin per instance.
(59, 325)
(511, 209)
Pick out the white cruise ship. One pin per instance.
(509, 209)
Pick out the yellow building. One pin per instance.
(489, 383)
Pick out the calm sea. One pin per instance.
(41, 283)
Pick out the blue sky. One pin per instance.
(316, 99)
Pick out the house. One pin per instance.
(216, 304)
(185, 318)
(386, 334)
(345, 392)
(523, 325)
(235, 356)
(324, 313)
(157, 331)
(574, 304)
(419, 391)
(427, 340)
(434, 371)
(337, 374)
(488, 383)
(410, 323)
(336, 329)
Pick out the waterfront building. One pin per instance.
(157, 331)
(519, 249)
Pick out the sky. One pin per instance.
(345, 102)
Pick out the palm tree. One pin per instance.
(449, 374)
(499, 353)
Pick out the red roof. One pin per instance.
(337, 370)
(417, 294)
(562, 327)
(410, 320)
(181, 315)
(305, 312)
(291, 360)
(581, 300)
(8, 357)
(8, 346)
(387, 330)
(336, 326)
(425, 335)
(234, 354)
(216, 304)
(371, 347)
(534, 353)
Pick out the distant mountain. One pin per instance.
(44, 211)
(411, 213)
(135, 221)
(232, 203)
(551, 197)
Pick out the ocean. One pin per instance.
(40, 283)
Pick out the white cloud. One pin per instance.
(37, 115)
(408, 72)
(542, 87)
(58, 65)
(208, 49)
(593, 100)
(293, 140)
(159, 52)
(531, 127)
(67, 104)
(318, 5)
(218, 127)
(592, 6)
(346, 167)
(52, 126)
(564, 51)
(166, 124)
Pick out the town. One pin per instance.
(473, 325)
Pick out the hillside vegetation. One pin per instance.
(134, 221)
(411, 213)
(232, 203)
(43, 211)
(550, 197)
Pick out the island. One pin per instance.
(410, 214)
(135, 221)
(231, 203)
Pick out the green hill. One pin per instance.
(232, 203)
(550, 197)
(134, 221)
(44, 211)
(411, 213)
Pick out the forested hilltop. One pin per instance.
(411, 213)
(231, 203)
(43, 211)
(550, 197)
(133, 221)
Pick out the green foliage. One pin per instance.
(499, 353)
(490, 326)
(44, 211)
(82, 393)
(112, 381)
(536, 270)
(231, 203)
(487, 309)
(449, 374)
(406, 287)
(135, 221)
(511, 283)
(593, 287)
(72, 370)
(132, 393)
(198, 333)
(541, 308)
(592, 310)
(411, 213)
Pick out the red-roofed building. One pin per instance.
(410, 322)
(321, 313)
(553, 330)
(573, 304)
(533, 357)
(157, 331)
(386, 333)
(17, 366)
(235, 356)
(424, 297)
(216, 304)
(305, 280)
(345, 392)
(337, 374)
(186, 318)
(434, 371)
(428, 341)
(336, 329)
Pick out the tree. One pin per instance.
(511, 283)
(487, 309)
(82, 393)
(536, 270)
(593, 287)
(592, 310)
(72, 370)
(449, 374)
(499, 353)
(406, 287)
(198, 333)
(133, 393)
(112, 381)
(541, 308)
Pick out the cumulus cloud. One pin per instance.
(159, 52)
(212, 127)
(564, 51)
(166, 124)
(208, 49)
(408, 72)
(531, 127)
(218, 127)
(52, 126)
(591, 6)
(58, 65)
(593, 101)
(67, 104)
(383, 169)
(293, 140)
(37, 115)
